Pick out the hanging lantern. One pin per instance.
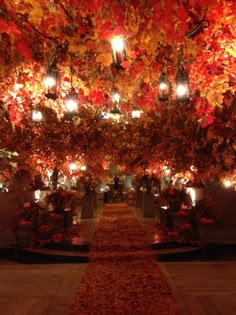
(163, 88)
(51, 82)
(73, 166)
(37, 115)
(136, 113)
(83, 168)
(71, 102)
(115, 97)
(182, 85)
(115, 113)
(119, 51)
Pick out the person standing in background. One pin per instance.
(116, 183)
(106, 189)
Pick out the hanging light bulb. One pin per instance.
(71, 102)
(182, 85)
(51, 82)
(37, 115)
(163, 88)
(119, 51)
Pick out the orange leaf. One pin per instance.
(125, 64)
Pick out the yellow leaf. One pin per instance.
(81, 48)
(37, 13)
(231, 51)
(105, 59)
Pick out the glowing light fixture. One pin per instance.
(115, 112)
(71, 102)
(51, 82)
(115, 97)
(163, 88)
(83, 168)
(136, 113)
(37, 115)
(193, 168)
(182, 85)
(227, 183)
(37, 195)
(119, 51)
(73, 166)
(192, 192)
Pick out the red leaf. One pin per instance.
(138, 67)
(3, 26)
(24, 49)
(208, 120)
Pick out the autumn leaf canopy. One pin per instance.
(159, 35)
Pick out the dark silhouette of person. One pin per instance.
(106, 193)
(116, 183)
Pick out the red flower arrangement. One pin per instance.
(44, 228)
(60, 199)
(205, 211)
(28, 212)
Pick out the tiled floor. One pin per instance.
(38, 289)
(201, 288)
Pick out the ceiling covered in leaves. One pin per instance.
(78, 34)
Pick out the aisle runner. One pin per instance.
(123, 276)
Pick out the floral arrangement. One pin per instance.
(205, 211)
(195, 183)
(44, 229)
(28, 212)
(60, 200)
(88, 183)
(185, 218)
(49, 224)
(175, 198)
